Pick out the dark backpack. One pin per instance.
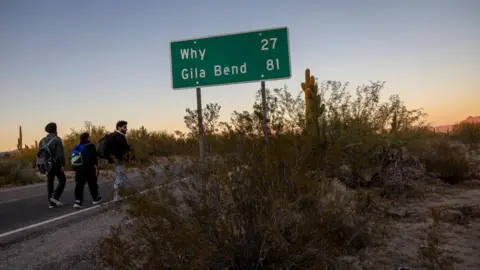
(45, 159)
(104, 146)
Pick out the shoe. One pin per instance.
(97, 200)
(77, 204)
(117, 199)
(51, 205)
(56, 202)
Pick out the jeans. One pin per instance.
(119, 180)
(62, 179)
(89, 177)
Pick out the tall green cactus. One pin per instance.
(314, 108)
(20, 140)
(394, 125)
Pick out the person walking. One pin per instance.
(84, 162)
(54, 146)
(120, 150)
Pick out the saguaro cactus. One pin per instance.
(394, 126)
(20, 139)
(314, 107)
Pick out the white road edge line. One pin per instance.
(77, 212)
(69, 179)
(24, 187)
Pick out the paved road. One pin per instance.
(25, 206)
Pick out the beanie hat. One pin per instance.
(51, 128)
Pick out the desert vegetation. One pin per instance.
(323, 193)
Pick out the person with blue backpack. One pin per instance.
(84, 162)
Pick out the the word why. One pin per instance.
(192, 53)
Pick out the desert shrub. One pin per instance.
(280, 205)
(16, 172)
(447, 161)
(430, 252)
(252, 210)
(26, 157)
(357, 135)
(468, 133)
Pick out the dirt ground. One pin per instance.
(458, 213)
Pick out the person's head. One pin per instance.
(85, 137)
(51, 128)
(122, 126)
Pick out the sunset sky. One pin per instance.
(102, 61)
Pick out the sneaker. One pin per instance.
(51, 205)
(77, 204)
(97, 200)
(56, 202)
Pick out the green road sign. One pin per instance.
(259, 55)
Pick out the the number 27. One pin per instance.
(265, 43)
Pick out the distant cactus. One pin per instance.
(36, 144)
(20, 139)
(394, 126)
(314, 107)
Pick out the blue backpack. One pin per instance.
(77, 158)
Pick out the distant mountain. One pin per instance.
(8, 153)
(446, 128)
(471, 119)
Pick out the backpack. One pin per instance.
(104, 146)
(78, 155)
(45, 160)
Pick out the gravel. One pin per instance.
(69, 244)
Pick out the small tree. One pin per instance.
(211, 114)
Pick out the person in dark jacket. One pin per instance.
(120, 150)
(87, 173)
(55, 145)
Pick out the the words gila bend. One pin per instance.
(218, 70)
(195, 73)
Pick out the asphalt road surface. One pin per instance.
(29, 205)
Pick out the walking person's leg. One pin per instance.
(80, 180)
(57, 193)
(62, 180)
(50, 184)
(119, 181)
(92, 182)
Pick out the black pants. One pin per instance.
(82, 177)
(62, 179)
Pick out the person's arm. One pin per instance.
(92, 156)
(127, 148)
(92, 150)
(60, 153)
(40, 144)
(125, 145)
